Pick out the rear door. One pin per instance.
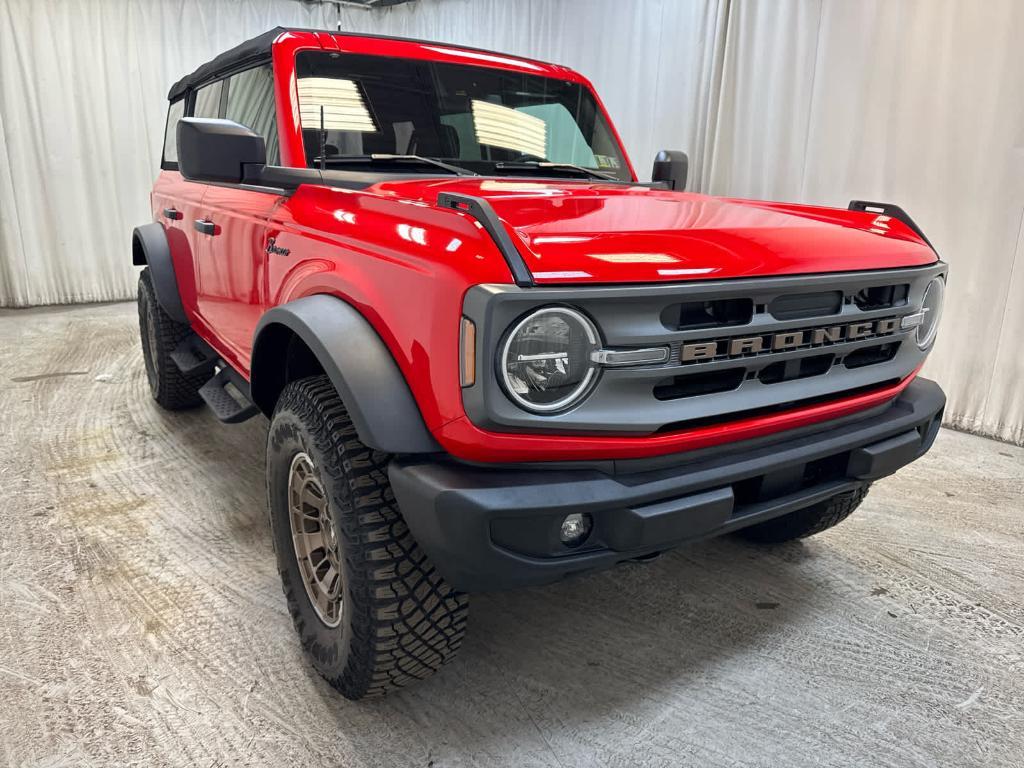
(232, 227)
(174, 201)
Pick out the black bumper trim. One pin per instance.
(487, 528)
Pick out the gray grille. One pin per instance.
(649, 398)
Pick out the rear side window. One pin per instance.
(251, 103)
(174, 113)
(207, 103)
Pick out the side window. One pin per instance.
(251, 103)
(207, 103)
(174, 113)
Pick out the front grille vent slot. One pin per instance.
(699, 384)
(796, 306)
(693, 315)
(882, 297)
(790, 370)
(881, 353)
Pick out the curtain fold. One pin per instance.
(916, 103)
(83, 100)
(820, 101)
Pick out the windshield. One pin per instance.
(488, 121)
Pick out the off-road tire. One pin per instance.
(806, 522)
(171, 388)
(400, 621)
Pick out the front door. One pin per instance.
(230, 260)
(231, 251)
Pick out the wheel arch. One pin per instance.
(150, 248)
(324, 334)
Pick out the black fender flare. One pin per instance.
(150, 247)
(355, 359)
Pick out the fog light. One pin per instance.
(575, 529)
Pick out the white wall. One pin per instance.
(918, 102)
(83, 100)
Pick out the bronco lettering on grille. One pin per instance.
(785, 340)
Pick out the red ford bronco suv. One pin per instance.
(489, 355)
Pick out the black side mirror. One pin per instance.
(218, 150)
(671, 166)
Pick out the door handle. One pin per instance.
(205, 226)
(172, 213)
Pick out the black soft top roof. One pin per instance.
(250, 51)
(258, 48)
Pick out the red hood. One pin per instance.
(571, 232)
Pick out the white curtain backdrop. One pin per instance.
(83, 100)
(918, 102)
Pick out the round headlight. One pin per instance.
(931, 308)
(546, 360)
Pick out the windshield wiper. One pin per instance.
(523, 165)
(385, 158)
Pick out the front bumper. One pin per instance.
(487, 528)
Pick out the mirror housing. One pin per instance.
(219, 151)
(671, 167)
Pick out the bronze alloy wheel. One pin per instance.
(372, 612)
(315, 537)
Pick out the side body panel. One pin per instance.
(380, 255)
(230, 267)
(172, 192)
(359, 365)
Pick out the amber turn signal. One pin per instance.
(467, 353)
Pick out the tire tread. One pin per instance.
(808, 521)
(175, 390)
(406, 621)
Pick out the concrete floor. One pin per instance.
(142, 623)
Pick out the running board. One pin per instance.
(232, 406)
(193, 355)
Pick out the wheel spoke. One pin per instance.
(327, 580)
(320, 555)
(312, 498)
(314, 539)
